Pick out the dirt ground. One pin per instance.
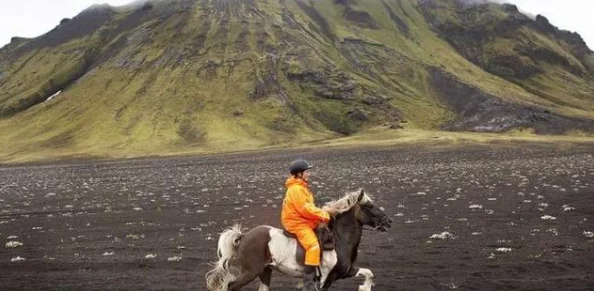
(517, 218)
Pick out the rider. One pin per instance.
(300, 216)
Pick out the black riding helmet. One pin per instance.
(298, 166)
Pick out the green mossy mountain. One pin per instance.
(170, 76)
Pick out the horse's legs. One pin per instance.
(331, 278)
(253, 257)
(242, 280)
(327, 285)
(368, 279)
(265, 279)
(249, 273)
(352, 273)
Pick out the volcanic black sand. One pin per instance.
(511, 217)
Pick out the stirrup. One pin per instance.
(318, 275)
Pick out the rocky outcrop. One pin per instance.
(83, 25)
(500, 45)
(330, 84)
(358, 17)
(482, 112)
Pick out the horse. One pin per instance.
(244, 256)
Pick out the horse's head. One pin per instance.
(371, 215)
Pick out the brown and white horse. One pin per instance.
(245, 256)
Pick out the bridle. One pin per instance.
(378, 222)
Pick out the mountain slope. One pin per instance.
(553, 64)
(171, 76)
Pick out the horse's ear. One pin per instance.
(361, 195)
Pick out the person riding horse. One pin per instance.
(245, 256)
(300, 217)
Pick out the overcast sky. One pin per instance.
(30, 18)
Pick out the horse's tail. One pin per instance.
(221, 275)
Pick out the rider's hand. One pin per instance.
(330, 211)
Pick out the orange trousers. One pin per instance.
(309, 241)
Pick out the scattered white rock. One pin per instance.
(12, 237)
(567, 208)
(504, 250)
(13, 244)
(17, 259)
(54, 95)
(492, 256)
(548, 217)
(106, 254)
(475, 206)
(174, 259)
(588, 234)
(444, 235)
(150, 256)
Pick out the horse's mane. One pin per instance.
(347, 202)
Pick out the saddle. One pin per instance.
(325, 238)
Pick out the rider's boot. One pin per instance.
(311, 278)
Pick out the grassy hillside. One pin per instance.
(187, 76)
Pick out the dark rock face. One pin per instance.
(357, 115)
(510, 8)
(328, 84)
(401, 24)
(544, 24)
(361, 18)
(17, 40)
(83, 25)
(481, 112)
(357, 17)
(317, 18)
(576, 43)
(473, 37)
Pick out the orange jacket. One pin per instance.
(299, 210)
